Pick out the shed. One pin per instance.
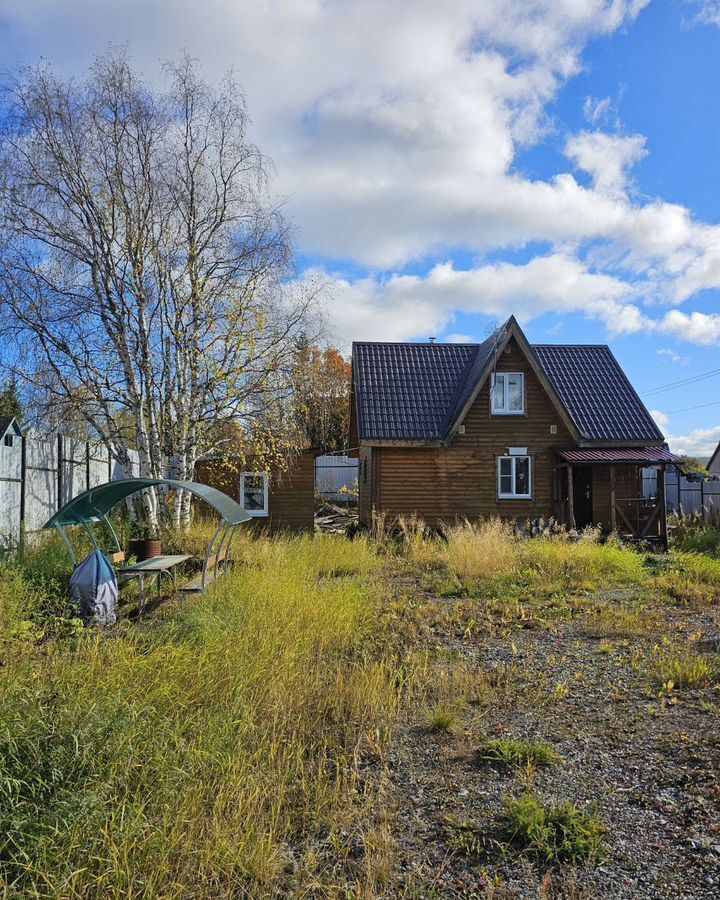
(276, 501)
(11, 468)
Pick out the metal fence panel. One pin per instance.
(73, 477)
(691, 496)
(332, 474)
(99, 469)
(41, 480)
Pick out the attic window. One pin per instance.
(254, 493)
(507, 393)
(8, 440)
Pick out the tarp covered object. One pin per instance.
(94, 585)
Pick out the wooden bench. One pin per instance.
(214, 566)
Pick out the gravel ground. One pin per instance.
(647, 761)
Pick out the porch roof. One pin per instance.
(638, 455)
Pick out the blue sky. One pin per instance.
(446, 165)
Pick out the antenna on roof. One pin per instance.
(492, 331)
(432, 340)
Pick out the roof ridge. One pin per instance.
(594, 346)
(417, 343)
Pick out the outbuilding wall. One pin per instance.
(291, 494)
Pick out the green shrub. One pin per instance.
(685, 669)
(557, 832)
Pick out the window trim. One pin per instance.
(256, 513)
(506, 412)
(514, 496)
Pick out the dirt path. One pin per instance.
(580, 674)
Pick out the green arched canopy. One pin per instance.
(95, 504)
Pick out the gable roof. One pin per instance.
(6, 422)
(420, 392)
(715, 458)
(407, 391)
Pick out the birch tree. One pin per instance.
(143, 263)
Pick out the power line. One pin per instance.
(676, 384)
(688, 408)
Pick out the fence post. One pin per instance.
(59, 470)
(23, 469)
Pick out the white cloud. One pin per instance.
(596, 110)
(606, 157)
(661, 419)
(402, 307)
(672, 356)
(700, 442)
(460, 339)
(696, 328)
(395, 128)
(708, 12)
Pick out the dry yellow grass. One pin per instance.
(486, 549)
(207, 755)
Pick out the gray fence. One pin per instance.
(691, 496)
(332, 474)
(39, 474)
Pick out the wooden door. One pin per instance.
(583, 496)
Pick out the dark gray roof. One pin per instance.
(5, 423)
(408, 391)
(415, 391)
(596, 393)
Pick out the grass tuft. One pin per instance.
(557, 832)
(487, 549)
(442, 718)
(519, 752)
(685, 669)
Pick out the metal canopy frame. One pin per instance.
(95, 505)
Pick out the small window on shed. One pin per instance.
(9, 440)
(254, 493)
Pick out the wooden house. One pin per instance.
(503, 428)
(277, 501)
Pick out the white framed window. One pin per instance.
(254, 493)
(514, 478)
(507, 393)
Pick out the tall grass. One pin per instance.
(212, 756)
(490, 549)
(484, 550)
(697, 532)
